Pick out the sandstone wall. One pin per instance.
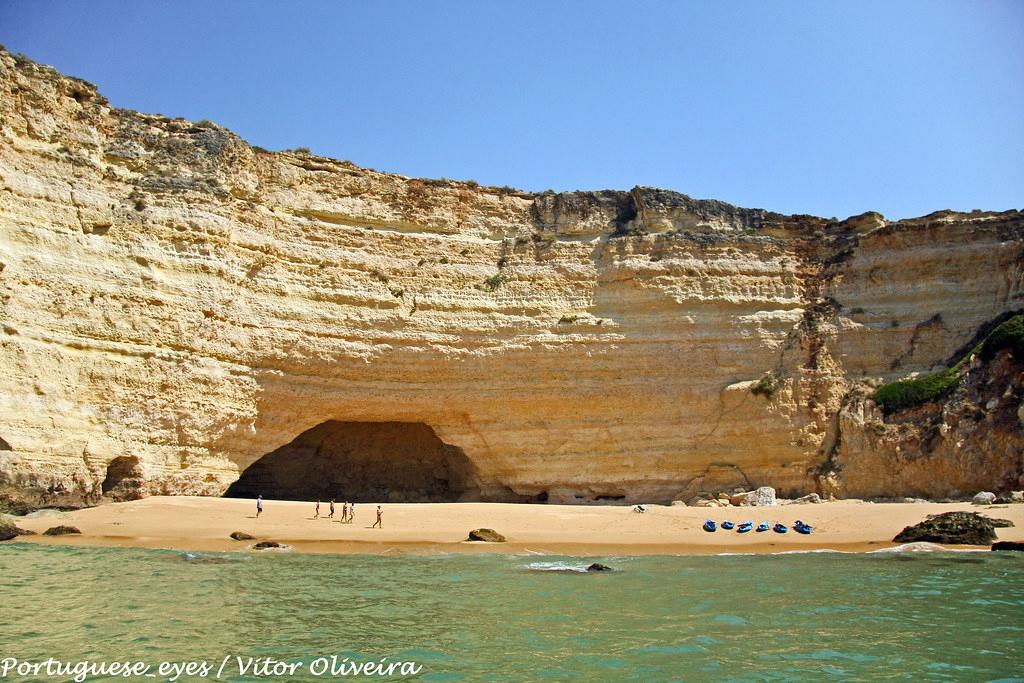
(171, 294)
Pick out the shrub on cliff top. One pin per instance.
(1009, 335)
(908, 393)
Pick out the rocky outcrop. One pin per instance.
(967, 528)
(241, 536)
(61, 530)
(175, 305)
(486, 535)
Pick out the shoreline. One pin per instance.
(198, 524)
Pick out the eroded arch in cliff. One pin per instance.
(361, 462)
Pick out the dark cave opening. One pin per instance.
(361, 462)
(124, 478)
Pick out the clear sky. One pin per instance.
(827, 107)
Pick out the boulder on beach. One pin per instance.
(809, 498)
(984, 498)
(598, 567)
(1010, 497)
(1008, 545)
(264, 545)
(487, 535)
(951, 528)
(61, 530)
(7, 530)
(764, 495)
(242, 536)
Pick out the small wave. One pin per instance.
(925, 547)
(527, 551)
(813, 551)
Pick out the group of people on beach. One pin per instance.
(348, 512)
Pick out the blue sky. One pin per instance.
(803, 107)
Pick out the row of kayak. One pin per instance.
(799, 527)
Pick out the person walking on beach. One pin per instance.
(344, 512)
(332, 509)
(259, 505)
(316, 515)
(351, 512)
(378, 523)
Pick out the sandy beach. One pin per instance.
(204, 524)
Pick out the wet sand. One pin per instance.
(204, 524)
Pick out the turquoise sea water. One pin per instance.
(818, 616)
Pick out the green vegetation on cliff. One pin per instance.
(909, 393)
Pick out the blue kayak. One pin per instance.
(745, 527)
(779, 528)
(763, 526)
(727, 525)
(802, 528)
(710, 526)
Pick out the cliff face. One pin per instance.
(176, 304)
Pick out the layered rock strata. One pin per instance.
(177, 304)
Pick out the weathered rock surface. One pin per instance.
(984, 498)
(968, 528)
(242, 536)
(62, 530)
(812, 498)
(764, 495)
(487, 535)
(175, 305)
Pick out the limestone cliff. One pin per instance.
(176, 304)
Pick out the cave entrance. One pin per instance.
(361, 462)
(124, 478)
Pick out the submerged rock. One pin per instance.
(1008, 545)
(264, 545)
(598, 567)
(487, 535)
(964, 528)
(242, 536)
(984, 498)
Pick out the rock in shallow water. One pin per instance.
(951, 528)
(1008, 545)
(487, 535)
(264, 545)
(61, 531)
(598, 567)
